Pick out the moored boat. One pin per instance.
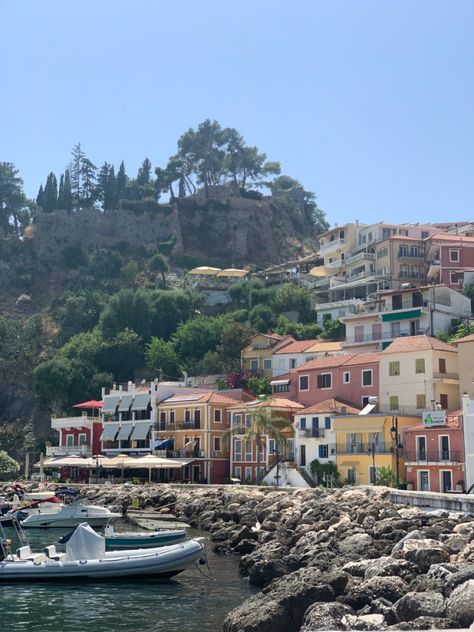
(86, 558)
(117, 540)
(71, 516)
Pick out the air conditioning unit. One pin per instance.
(201, 453)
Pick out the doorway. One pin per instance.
(424, 481)
(446, 481)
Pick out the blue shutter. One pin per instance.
(303, 423)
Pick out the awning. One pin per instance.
(167, 444)
(124, 432)
(232, 272)
(125, 403)
(110, 431)
(205, 270)
(276, 382)
(358, 424)
(110, 403)
(401, 315)
(140, 431)
(367, 409)
(142, 401)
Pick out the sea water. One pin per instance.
(197, 599)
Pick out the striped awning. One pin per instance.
(110, 403)
(359, 424)
(125, 403)
(141, 401)
(110, 431)
(140, 432)
(124, 432)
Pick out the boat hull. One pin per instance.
(150, 540)
(161, 562)
(49, 522)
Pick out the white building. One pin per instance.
(299, 352)
(468, 415)
(314, 434)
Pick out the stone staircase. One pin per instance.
(290, 475)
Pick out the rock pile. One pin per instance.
(343, 560)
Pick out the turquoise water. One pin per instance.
(191, 601)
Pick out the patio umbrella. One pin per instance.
(119, 462)
(205, 271)
(152, 462)
(232, 272)
(91, 404)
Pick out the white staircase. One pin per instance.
(290, 475)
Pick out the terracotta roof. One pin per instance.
(280, 341)
(469, 338)
(272, 402)
(403, 237)
(331, 406)
(446, 237)
(453, 422)
(325, 346)
(298, 346)
(211, 397)
(340, 360)
(423, 342)
(412, 289)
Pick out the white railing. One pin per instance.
(84, 421)
(60, 450)
(360, 256)
(330, 245)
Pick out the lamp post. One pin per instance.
(396, 437)
(374, 471)
(277, 457)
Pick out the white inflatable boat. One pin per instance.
(86, 558)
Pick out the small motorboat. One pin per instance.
(22, 510)
(116, 540)
(71, 516)
(86, 558)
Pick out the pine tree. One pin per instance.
(76, 175)
(67, 193)
(121, 183)
(88, 178)
(40, 197)
(50, 193)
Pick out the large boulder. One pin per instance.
(424, 604)
(390, 588)
(364, 622)
(424, 558)
(387, 565)
(325, 616)
(460, 604)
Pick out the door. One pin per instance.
(443, 400)
(315, 427)
(414, 327)
(196, 473)
(444, 448)
(397, 301)
(197, 419)
(446, 481)
(421, 448)
(302, 455)
(424, 481)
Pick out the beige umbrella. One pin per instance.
(232, 272)
(319, 271)
(153, 462)
(119, 462)
(205, 270)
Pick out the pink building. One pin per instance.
(350, 378)
(450, 259)
(434, 455)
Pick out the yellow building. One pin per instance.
(365, 443)
(257, 356)
(195, 426)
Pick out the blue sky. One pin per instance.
(368, 103)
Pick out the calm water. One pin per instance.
(189, 602)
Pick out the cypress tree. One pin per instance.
(50, 193)
(40, 197)
(121, 183)
(67, 193)
(61, 192)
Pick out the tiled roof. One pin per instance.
(331, 406)
(279, 341)
(272, 402)
(341, 360)
(465, 339)
(446, 237)
(423, 342)
(325, 346)
(298, 346)
(211, 397)
(403, 238)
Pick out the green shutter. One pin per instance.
(413, 313)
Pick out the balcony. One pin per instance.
(446, 377)
(361, 256)
(189, 425)
(383, 336)
(334, 265)
(363, 448)
(59, 450)
(331, 245)
(84, 421)
(434, 456)
(311, 433)
(183, 454)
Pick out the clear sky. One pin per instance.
(368, 103)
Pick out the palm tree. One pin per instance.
(262, 424)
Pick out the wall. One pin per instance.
(466, 368)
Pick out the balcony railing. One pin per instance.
(311, 433)
(189, 425)
(330, 245)
(400, 410)
(434, 456)
(446, 376)
(59, 450)
(382, 336)
(187, 454)
(364, 448)
(360, 256)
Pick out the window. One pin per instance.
(304, 383)
(453, 255)
(395, 330)
(424, 480)
(351, 475)
(172, 416)
(421, 401)
(292, 363)
(162, 418)
(367, 377)
(248, 450)
(444, 451)
(303, 455)
(238, 450)
(217, 444)
(327, 423)
(425, 234)
(327, 317)
(443, 400)
(419, 365)
(267, 363)
(69, 440)
(421, 448)
(393, 402)
(271, 446)
(325, 380)
(359, 333)
(281, 388)
(197, 418)
(394, 368)
(218, 415)
(237, 421)
(248, 421)
(248, 473)
(83, 438)
(404, 272)
(442, 365)
(365, 401)
(303, 423)
(397, 301)
(187, 415)
(323, 451)
(377, 331)
(346, 377)
(455, 277)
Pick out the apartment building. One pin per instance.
(257, 356)
(450, 259)
(299, 352)
(418, 373)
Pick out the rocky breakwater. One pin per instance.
(343, 560)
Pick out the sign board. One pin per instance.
(434, 418)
